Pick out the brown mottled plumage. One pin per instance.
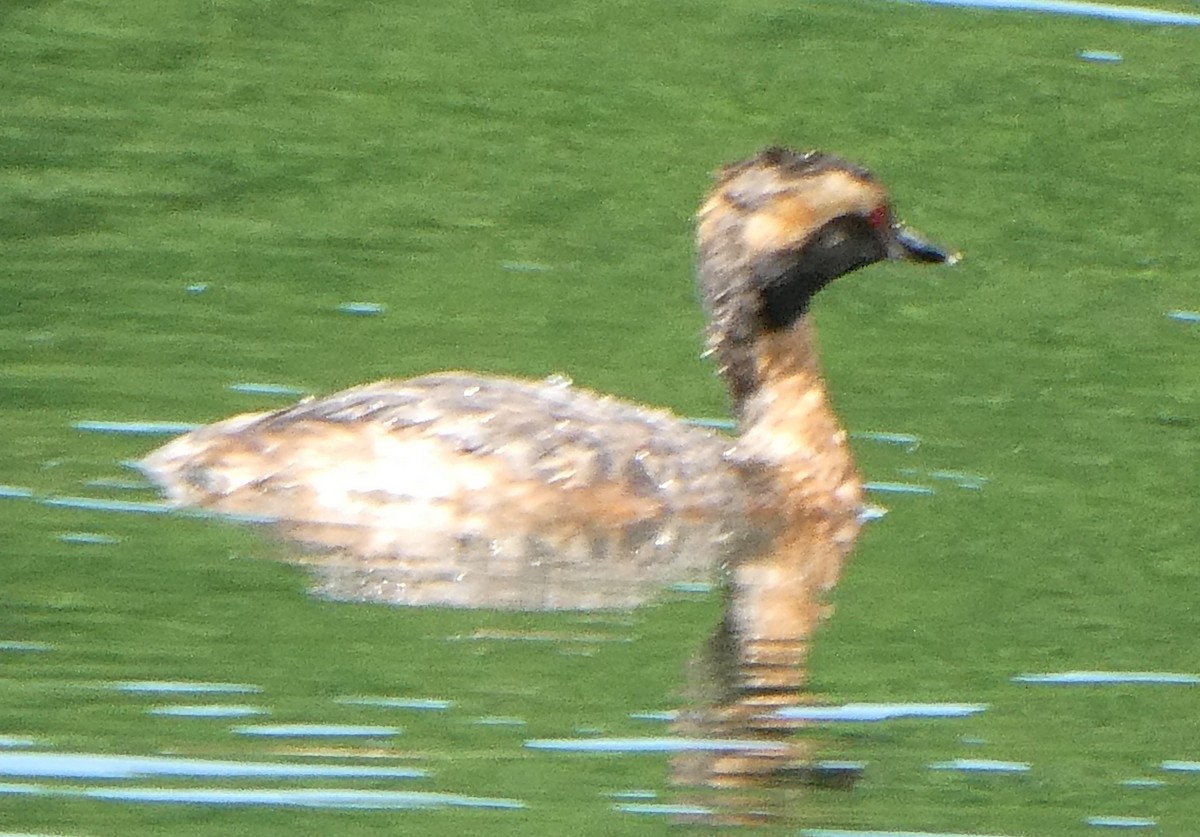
(414, 469)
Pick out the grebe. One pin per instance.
(409, 468)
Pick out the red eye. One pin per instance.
(879, 217)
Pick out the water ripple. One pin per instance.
(881, 711)
(136, 428)
(184, 687)
(286, 797)
(206, 711)
(1109, 677)
(1134, 14)
(428, 704)
(981, 766)
(102, 766)
(317, 730)
(655, 745)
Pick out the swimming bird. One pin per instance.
(444, 461)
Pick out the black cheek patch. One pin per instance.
(786, 295)
(787, 281)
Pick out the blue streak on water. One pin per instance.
(96, 504)
(1121, 822)
(1185, 316)
(713, 423)
(1181, 766)
(362, 309)
(897, 488)
(306, 798)
(206, 711)
(92, 538)
(654, 745)
(981, 766)
(136, 428)
(1109, 678)
(905, 440)
(317, 730)
(634, 794)
(485, 635)
(839, 832)
(1097, 56)
(430, 704)
(15, 492)
(266, 389)
(335, 798)
(185, 687)
(150, 507)
(690, 587)
(29, 790)
(1145, 783)
(102, 766)
(15, 741)
(498, 721)
(21, 645)
(660, 809)
(1134, 14)
(880, 711)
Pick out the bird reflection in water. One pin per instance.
(462, 490)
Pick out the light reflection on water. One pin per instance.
(634, 794)
(853, 712)
(1176, 766)
(318, 731)
(1121, 822)
(267, 389)
(659, 809)
(330, 798)
(655, 745)
(102, 766)
(89, 538)
(135, 428)
(23, 646)
(425, 704)
(1110, 678)
(184, 687)
(897, 488)
(981, 766)
(1146, 783)
(206, 711)
(98, 504)
(1077, 8)
(869, 712)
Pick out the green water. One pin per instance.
(513, 182)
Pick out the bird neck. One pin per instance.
(790, 434)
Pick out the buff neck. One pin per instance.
(790, 434)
